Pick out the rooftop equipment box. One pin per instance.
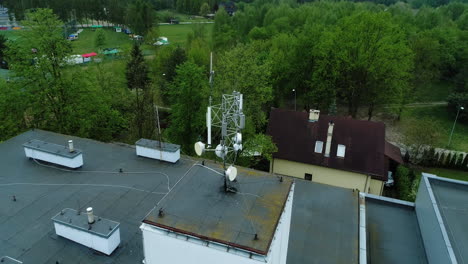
(53, 153)
(103, 235)
(158, 150)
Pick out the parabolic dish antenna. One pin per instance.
(231, 173)
(219, 151)
(199, 148)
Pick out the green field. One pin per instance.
(444, 120)
(85, 43)
(447, 173)
(177, 34)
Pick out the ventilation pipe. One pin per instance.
(70, 146)
(89, 211)
(329, 138)
(314, 115)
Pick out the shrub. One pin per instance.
(403, 183)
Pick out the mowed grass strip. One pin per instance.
(177, 34)
(444, 122)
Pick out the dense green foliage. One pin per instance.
(405, 182)
(335, 55)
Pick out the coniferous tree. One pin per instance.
(138, 80)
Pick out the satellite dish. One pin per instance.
(219, 151)
(199, 148)
(237, 147)
(238, 138)
(231, 173)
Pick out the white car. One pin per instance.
(390, 181)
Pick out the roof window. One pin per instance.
(318, 146)
(340, 151)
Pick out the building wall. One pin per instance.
(161, 246)
(428, 218)
(328, 176)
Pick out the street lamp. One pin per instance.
(454, 123)
(294, 90)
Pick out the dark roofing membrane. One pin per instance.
(200, 207)
(452, 200)
(101, 227)
(52, 148)
(324, 225)
(41, 191)
(295, 138)
(393, 234)
(155, 144)
(27, 231)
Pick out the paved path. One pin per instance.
(413, 105)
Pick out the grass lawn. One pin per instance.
(85, 43)
(10, 34)
(177, 34)
(433, 92)
(448, 173)
(444, 121)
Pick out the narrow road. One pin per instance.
(413, 105)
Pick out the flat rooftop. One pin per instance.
(200, 207)
(452, 201)
(56, 149)
(393, 233)
(42, 191)
(324, 224)
(75, 219)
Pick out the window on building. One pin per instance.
(340, 152)
(318, 146)
(308, 177)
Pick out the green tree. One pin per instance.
(189, 94)
(246, 69)
(100, 39)
(43, 46)
(140, 17)
(3, 48)
(204, 9)
(223, 31)
(138, 81)
(366, 58)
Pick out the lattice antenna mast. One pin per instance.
(229, 118)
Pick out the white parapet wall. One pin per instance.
(158, 150)
(103, 235)
(164, 246)
(53, 153)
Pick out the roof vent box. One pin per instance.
(102, 235)
(66, 156)
(314, 115)
(158, 150)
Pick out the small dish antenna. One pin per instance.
(199, 148)
(219, 151)
(231, 173)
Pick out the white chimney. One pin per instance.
(314, 115)
(89, 211)
(329, 139)
(70, 146)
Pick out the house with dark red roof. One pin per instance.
(333, 150)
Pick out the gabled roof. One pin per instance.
(393, 152)
(295, 138)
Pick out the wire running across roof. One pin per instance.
(200, 207)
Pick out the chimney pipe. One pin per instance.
(70, 146)
(329, 138)
(314, 115)
(89, 211)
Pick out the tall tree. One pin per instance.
(140, 16)
(138, 80)
(367, 59)
(189, 94)
(100, 39)
(43, 46)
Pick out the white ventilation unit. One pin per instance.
(53, 153)
(158, 150)
(102, 235)
(340, 151)
(318, 146)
